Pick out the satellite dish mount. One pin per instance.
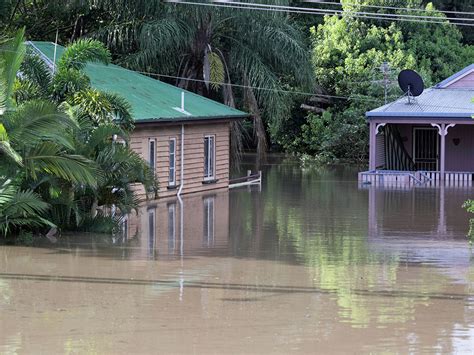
(411, 84)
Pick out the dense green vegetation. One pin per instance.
(59, 162)
(347, 55)
(268, 63)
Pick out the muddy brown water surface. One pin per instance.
(312, 263)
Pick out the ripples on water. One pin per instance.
(311, 263)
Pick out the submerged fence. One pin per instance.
(416, 178)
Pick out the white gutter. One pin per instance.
(181, 183)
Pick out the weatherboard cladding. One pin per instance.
(446, 82)
(193, 155)
(151, 99)
(445, 100)
(463, 82)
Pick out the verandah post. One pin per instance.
(372, 145)
(443, 151)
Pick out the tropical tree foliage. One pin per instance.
(208, 50)
(348, 54)
(59, 157)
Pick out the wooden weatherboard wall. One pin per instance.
(194, 134)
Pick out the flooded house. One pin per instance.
(183, 136)
(427, 138)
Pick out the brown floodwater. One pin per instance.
(311, 263)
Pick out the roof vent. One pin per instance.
(181, 109)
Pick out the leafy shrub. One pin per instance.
(469, 206)
(100, 224)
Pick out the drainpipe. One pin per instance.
(182, 162)
(181, 244)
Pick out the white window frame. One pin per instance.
(212, 156)
(171, 228)
(209, 221)
(151, 231)
(152, 159)
(172, 170)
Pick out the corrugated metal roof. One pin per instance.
(433, 102)
(151, 99)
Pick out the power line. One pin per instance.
(348, 98)
(387, 7)
(302, 93)
(295, 10)
(341, 11)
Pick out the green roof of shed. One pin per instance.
(151, 99)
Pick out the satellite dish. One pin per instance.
(411, 83)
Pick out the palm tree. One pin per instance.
(57, 147)
(99, 116)
(209, 49)
(19, 209)
(34, 134)
(34, 144)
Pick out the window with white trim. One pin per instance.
(152, 153)
(151, 232)
(171, 228)
(208, 225)
(172, 162)
(209, 157)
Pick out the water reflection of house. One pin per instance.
(168, 227)
(421, 225)
(418, 211)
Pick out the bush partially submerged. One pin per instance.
(469, 206)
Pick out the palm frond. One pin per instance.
(120, 110)
(94, 104)
(24, 203)
(20, 209)
(160, 43)
(12, 52)
(67, 82)
(7, 190)
(35, 70)
(25, 90)
(81, 52)
(50, 159)
(273, 103)
(216, 70)
(35, 121)
(282, 46)
(103, 134)
(6, 150)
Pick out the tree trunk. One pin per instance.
(259, 128)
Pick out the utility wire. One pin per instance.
(259, 88)
(375, 16)
(388, 7)
(340, 11)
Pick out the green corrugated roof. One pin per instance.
(151, 99)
